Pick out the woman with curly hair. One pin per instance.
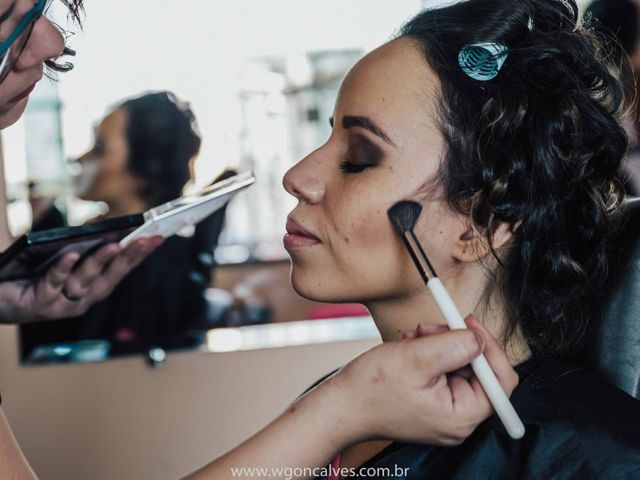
(501, 118)
(29, 41)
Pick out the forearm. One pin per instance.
(306, 436)
(12, 462)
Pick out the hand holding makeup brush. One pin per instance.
(403, 216)
(495, 355)
(412, 390)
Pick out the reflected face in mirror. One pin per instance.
(385, 146)
(109, 179)
(45, 43)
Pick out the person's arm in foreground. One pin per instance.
(13, 465)
(407, 390)
(72, 285)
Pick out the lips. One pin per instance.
(298, 237)
(24, 94)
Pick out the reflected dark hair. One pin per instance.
(162, 139)
(76, 11)
(539, 147)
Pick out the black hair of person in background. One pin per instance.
(619, 22)
(619, 19)
(142, 157)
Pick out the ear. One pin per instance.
(473, 244)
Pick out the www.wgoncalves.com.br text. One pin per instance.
(290, 473)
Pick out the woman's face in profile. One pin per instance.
(45, 43)
(385, 146)
(106, 163)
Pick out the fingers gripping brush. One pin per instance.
(404, 216)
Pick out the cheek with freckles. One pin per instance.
(358, 221)
(368, 255)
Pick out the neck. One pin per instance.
(395, 316)
(126, 206)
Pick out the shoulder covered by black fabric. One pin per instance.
(578, 426)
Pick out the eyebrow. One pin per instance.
(350, 121)
(7, 13)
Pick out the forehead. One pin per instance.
(395, 87)
(114, 122)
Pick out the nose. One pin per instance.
(45, 43)
(304, 182)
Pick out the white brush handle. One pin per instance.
(482, 369)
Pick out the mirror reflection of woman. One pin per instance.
(142, 157)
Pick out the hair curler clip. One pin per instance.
(482, 61)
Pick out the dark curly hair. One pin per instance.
(162, 139)
(539, 147)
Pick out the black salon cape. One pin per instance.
(578, 426)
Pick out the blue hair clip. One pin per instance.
(482, 61)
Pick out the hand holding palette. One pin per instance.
(34, 253)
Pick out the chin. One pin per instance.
(325, 288)
(320, 285)
(313, 287)
(11, 116)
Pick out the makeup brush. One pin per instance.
(404, 216)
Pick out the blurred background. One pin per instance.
(257, 81)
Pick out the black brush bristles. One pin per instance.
(404, 215)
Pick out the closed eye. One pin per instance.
(362, 153)
(349, 167)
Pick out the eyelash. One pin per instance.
(350, 168)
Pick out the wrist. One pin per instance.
(10, 308)
(336, 414)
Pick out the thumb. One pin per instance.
(449, 351)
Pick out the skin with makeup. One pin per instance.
(385, 146)
(391, 148)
